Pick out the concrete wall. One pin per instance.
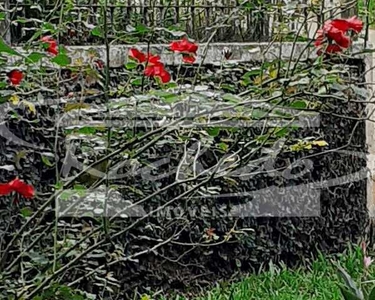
(245, 52)
(370, 130)
(207, 54)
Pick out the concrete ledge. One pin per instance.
(370, 132)
(241, 52)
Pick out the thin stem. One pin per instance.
(106, 95)
(57, 171)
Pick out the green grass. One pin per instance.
(318, 281)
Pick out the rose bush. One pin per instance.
(182, 154)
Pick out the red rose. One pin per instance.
(344, 25)
(188, 58)
(154, 68)
(164, 76)
(51, 45)
(184, 46)
(15, 77)
(153, 59)
(188, 50)
(22, 188)
(142, 57)
(137, 55)
(334, 32)
(355, 24)
(5, 189)
(159, 71)
(18, 186)
(337, 35)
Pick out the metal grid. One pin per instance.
(202, 20)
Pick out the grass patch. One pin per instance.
(317, 281)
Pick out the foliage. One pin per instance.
(142, 183)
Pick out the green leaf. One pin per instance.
(59, 185)
(231, 98)
(229, 87)
(213, 131)
(350, 283)
(62, 50)
(361, 92)
(87, 130)
(252, 73)
(36, 35)
(97, 32)
(34, 57)
(348, 295)
(4, 48)
(140, 28)
(262, 138)
(166, 97)
(332, 78)
(258, 113)
(79, 187)
(21, 20)
(38, 258)
(223, 146)
(137, 82)
(4, 98)
(170, 99)
(46, 161)
(26, 212)
(131, 65)
(2, 16)
(171, 85)
(282, 132)
(298, 104)
(61, 59)
(246, 82)
(49, 27)
(65, 195)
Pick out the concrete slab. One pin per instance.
(207, 53)
(370, 129)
